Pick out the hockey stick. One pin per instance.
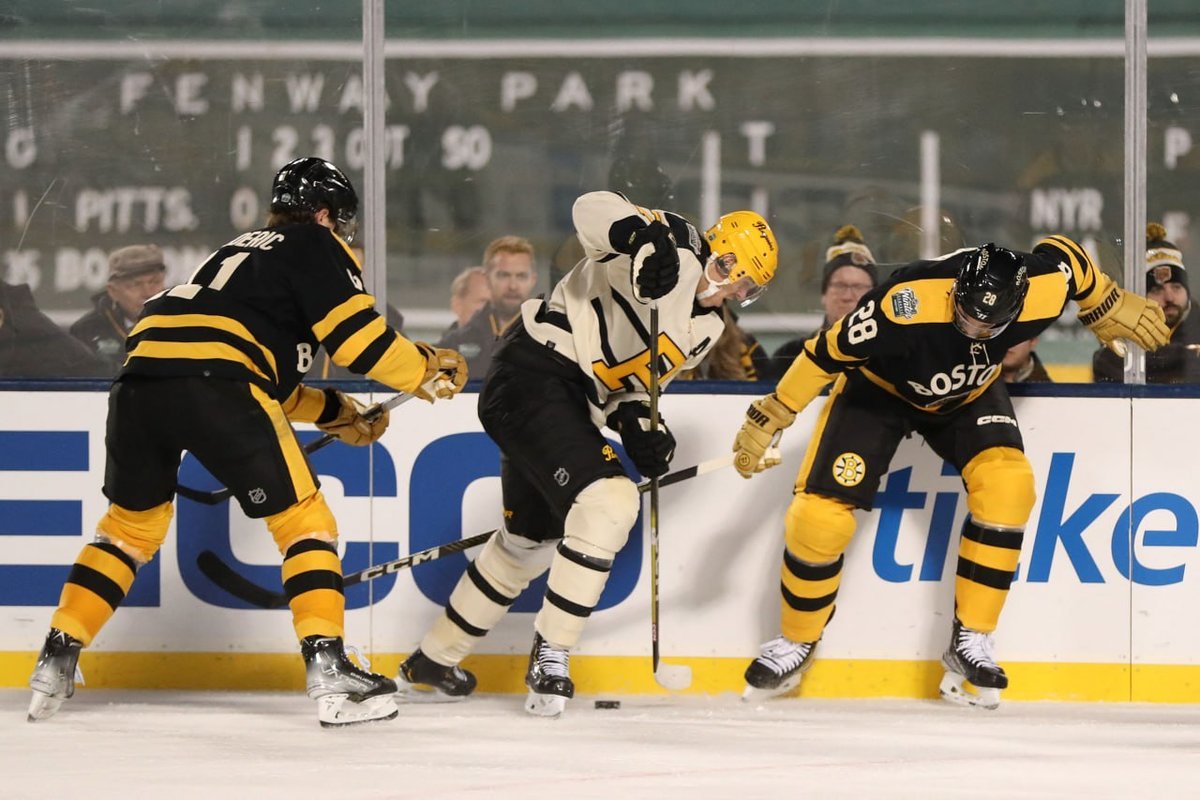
(224, 493)
(669, 676)
(242, 588)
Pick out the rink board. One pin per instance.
(1102, 608)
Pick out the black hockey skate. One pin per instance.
(421, 679)
(973, 678)
(548, 679)
(53, 679)
(778, 669)
(344, 693)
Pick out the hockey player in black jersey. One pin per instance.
(214, 366)
(923, 353)
(566, 367)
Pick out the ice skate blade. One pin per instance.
(423, 693)
(753, 694)
(545, 705)
(338, 711)
(43, 706)
(958, 690)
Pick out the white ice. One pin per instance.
(257, 745)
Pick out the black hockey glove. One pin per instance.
(655, 261)
(650, 451)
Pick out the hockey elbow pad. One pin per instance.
(756, 446)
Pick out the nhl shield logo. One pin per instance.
(561, 476)
(258, 496)
(904, 303)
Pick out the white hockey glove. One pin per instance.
(655, 261)
(756, 447)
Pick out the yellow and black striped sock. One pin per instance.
(312, 580)
(987, 561)
(809, 591)
(96, 585)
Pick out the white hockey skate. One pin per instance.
(345, 694)
(548, 679)
(423, 680)
(973, 678)
(778, 669)
(54, 678)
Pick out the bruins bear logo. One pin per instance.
(849, 469)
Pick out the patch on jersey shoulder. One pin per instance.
(904, 303)
(693, 238)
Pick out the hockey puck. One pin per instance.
(608, 704)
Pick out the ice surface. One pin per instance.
(233, 745)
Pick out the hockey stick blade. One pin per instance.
(675, 677)
(218, 496)
(244, 589)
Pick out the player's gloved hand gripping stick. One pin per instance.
(370, 414)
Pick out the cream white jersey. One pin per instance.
(595, 318)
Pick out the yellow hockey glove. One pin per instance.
(445, 373)
(757, 443)
(1126, 315)
(344, 418)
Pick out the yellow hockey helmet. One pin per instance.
(743, 246)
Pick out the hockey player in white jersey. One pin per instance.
(566, 368)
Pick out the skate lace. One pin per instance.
(976, 648)
(554, 661)
(784, 655)
(363, 667)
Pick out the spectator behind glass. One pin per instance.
(32, 346)
(135, 274)
(469, 292)
(511, 275)
(1022, 365)
(849, 273)
(1167, 285)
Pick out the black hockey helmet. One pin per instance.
(989, 291)
(310, 184)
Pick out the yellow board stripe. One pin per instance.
(831, 678)
(342, 313)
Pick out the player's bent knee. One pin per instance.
(510, 561)
(818, 528)
(138, 534)
(308, 519)
(599, 520)
(1000, 487)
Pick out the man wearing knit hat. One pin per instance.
(135, 274)
(1167, 285)
(849, 273)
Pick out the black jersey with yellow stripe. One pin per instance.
(902, 336)
(258, 308)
